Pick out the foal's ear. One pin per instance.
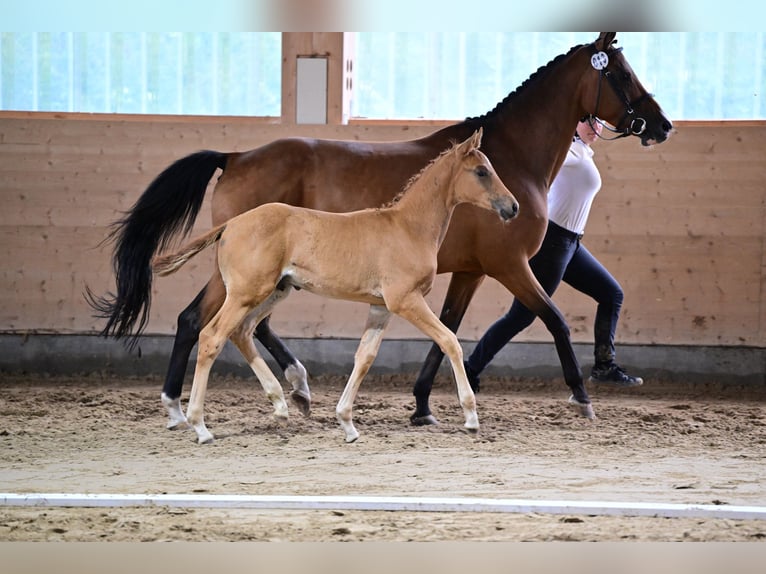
(476, 138)
(605, 40)
(467, 146)
(472, 142)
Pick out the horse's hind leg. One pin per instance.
(461, 290)
(190, 322)
(295, 372)
(377, 320)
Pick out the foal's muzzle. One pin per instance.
(506, 209)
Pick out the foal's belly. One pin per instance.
(335, 288)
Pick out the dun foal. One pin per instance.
(385, 257)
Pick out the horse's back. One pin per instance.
(328, 175)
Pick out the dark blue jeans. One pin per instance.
(561, 257)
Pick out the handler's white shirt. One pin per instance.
(574, 188)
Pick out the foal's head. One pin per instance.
(476, 182)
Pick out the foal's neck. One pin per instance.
(427, 205)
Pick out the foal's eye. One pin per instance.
(482, 171)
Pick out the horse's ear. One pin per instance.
(605, 40)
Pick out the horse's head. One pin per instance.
(476, 181)
(618, 97)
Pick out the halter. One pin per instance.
(600, 60)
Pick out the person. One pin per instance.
(562, 256)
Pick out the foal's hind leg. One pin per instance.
(211, 341)
(190, 322)
(242, 337)
(377, 320)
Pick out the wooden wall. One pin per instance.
(681, 225)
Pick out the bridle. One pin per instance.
(600, 60)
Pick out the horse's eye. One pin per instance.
(482, 171)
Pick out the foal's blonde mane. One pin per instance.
(417, 176)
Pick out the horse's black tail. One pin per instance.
(168, 206)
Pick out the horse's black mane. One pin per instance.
(524, 84)
(494, 111)
(417, 176)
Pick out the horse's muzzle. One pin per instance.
(657, 135)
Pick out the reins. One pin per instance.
(600, 60)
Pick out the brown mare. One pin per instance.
(385, 257)
(526, 136)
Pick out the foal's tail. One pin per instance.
(169, 206)
(172, 262)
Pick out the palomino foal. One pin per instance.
(385, 257)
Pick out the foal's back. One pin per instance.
(341, 255)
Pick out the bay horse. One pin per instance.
(384, 257)
(526, 136)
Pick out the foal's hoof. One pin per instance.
(422, 421)
(584, 409)
(351, 438)
(302, 402)
(205, 437)
(177, 425)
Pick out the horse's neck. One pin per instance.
(545, 143)
(529, 135)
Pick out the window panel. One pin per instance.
(451, 75)
(694, 75)
(209, 73)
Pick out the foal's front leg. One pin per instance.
(377, 321)
(415, 309)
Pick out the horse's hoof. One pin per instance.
(471, 431)
(302, 402)
(422, 421)
(584, 409)
(206, 440)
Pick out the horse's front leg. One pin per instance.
(295, 372)
(377, 320)
(528, 291)
(461, 290)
